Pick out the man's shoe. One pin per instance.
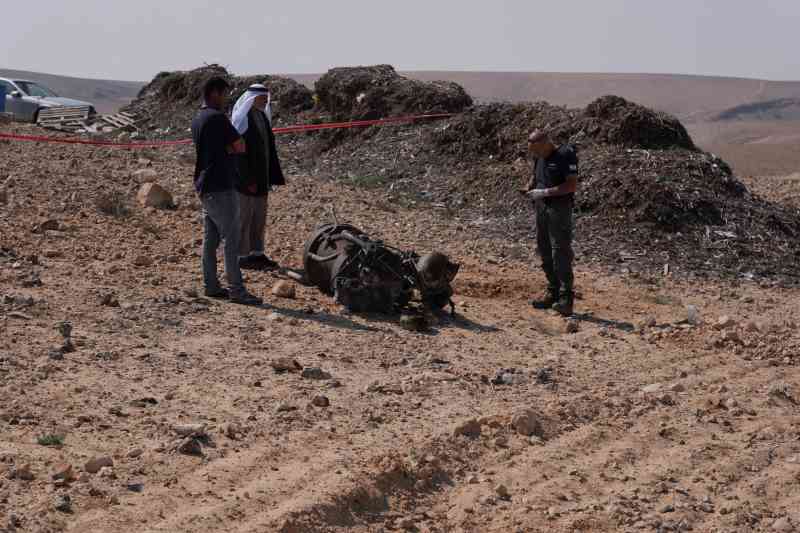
(245, 298)
(249, 263)
(547, 301)
(263, 262)
(219, 294)
(564, 304)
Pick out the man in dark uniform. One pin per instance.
(552, 186)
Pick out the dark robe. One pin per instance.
(256, 166)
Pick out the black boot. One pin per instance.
(565, 303)
(547, 300)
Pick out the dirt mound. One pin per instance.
(172, 98)
(614, 120)
(379, 91)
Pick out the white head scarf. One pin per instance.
(245, 103)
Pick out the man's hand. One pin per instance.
(236, 147)
(539, 194)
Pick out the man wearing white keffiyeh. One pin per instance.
(259, 170)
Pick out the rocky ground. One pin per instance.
(129, 402)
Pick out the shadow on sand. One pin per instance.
(627, 327)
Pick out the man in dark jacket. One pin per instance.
(259, 170)
(552, 186)
(216, 143)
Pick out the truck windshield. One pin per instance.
(34, 89)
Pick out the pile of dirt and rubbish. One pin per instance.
(649, 200)
(365, 93)
(167, 104)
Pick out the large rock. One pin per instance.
(154, 195)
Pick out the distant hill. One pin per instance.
(106, 95)
(780, 109)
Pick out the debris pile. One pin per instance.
(647, 196)
(168, 103)
(365, 93)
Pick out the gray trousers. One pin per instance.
(253, 216)
(221, 223)
(554, 241)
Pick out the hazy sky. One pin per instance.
(133, 40)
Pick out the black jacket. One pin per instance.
(253, 168)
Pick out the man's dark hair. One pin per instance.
(215, 84)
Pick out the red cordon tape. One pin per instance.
(288, 129)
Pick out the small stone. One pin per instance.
(189, 430)
(285, 364)
(414, 323)
(470, 428)
(142, 261)
(94, 465)
(729, 336)
(321, 401)
(572, 326)
(407, 524)
(731, 403)
(135, 487)
(53, 254)
(526, 423)
(23, 472)
(472, 480)
(62, 472)
(109, 300)
(190, 446)
(667, 509)
(284, 289)
(154, 195)
(502, 492)
(275, 317)
(286, 407)
(63, 503)
(751, 326)
(677, 387)
(724, 322)
(145, 174)
(136, 452)
(501, 441)
(315, 373)
(783, 524)
(646, 323)
(652, 389)
(48, 225)
(107, 472)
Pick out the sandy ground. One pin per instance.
(636, 422)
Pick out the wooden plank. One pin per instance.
(113, 121)
(124, 120)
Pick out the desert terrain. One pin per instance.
(130, 402)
